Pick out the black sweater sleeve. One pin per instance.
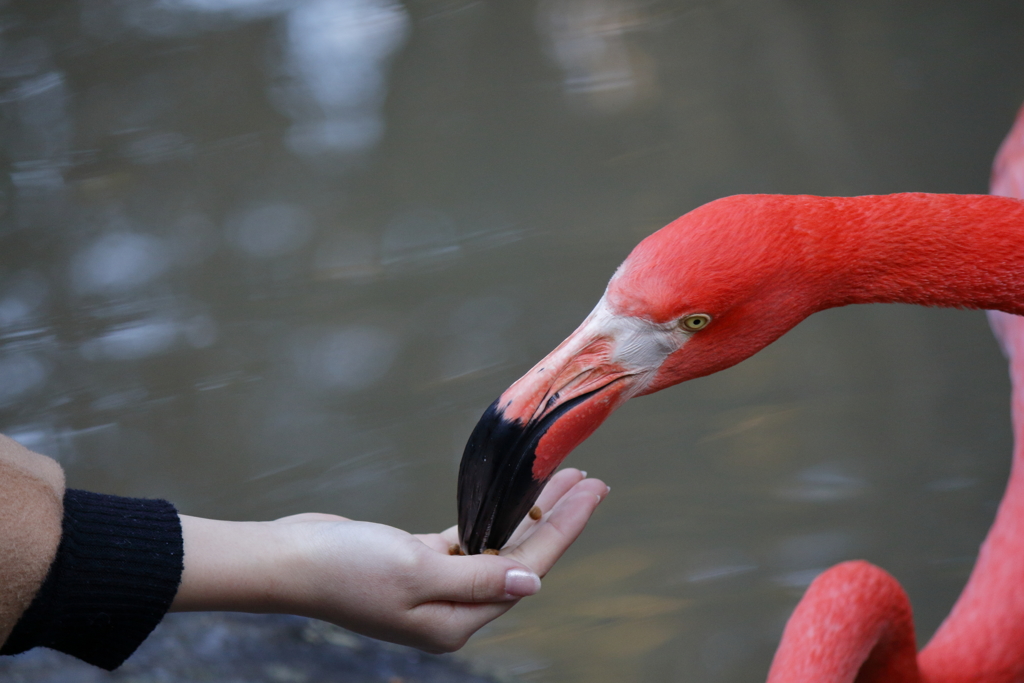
(114, 577)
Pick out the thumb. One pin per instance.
(482, 578)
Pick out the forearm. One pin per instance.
(240, 567)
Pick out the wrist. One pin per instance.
(240, 567)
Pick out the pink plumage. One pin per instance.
(854, 622)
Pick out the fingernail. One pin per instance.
(584, 473)
(607, 489)
(520, 583)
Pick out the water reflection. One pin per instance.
(241, 9)
(718, 564)
(118, 261)
(36, 179)
(418, 238)
(478, 335)
(21, 301)
(337, 54)
(40, 103)
(951, 484)
(120, 400)
(269, 230)
(133, 341)
(603, 69)
(804, 557)
(822, 483)
(345, 358)
(725, 651)
(331, 69)
(347, 255)
(158, 147)
(20, 373)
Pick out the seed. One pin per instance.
(491, 551)
(535, 513)
(455, 549)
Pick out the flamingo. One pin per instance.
(854, 623)
(722, 282)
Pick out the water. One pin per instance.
(268, 256)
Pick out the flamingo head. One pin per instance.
(699, 295)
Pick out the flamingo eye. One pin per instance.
(697, 321)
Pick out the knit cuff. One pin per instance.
(116, 572)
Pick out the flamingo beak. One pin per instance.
(517, 445)
(524, 435)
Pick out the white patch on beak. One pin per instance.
(640, 346)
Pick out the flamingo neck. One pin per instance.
(981, 638)
(854, 624)
(955, 251)
(959, 251)
(795, 255)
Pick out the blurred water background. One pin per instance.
(269, 256)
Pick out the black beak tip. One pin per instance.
(496, 486)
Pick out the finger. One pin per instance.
(561, 527)
(559, 485)
(478, 578)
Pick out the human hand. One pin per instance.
(375, 579)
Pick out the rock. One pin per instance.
(248, 648)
